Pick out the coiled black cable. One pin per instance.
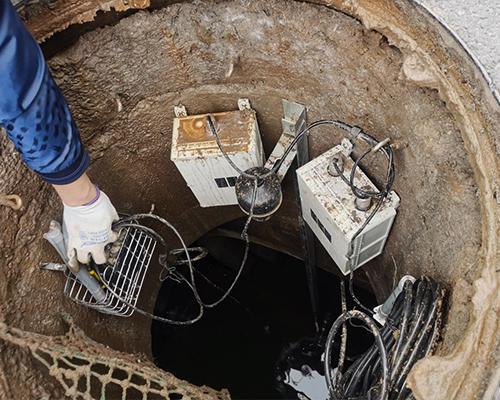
(409, 334)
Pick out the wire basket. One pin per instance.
(124, 275)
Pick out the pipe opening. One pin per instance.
(262, 331)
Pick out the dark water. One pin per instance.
(238, 344)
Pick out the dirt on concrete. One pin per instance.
(122, 82)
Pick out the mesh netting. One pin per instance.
(88, 370)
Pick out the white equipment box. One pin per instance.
(328, 207)
(199, 160)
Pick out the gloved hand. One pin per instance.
(88, 229)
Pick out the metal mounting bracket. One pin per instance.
(293, 121)
(180, 111)
(347, 147)
(244, 104)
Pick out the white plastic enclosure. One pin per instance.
(199, 160)
(328, 207)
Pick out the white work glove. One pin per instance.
(89, 229)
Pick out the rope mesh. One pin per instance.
(89, 370)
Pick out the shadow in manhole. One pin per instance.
(264, 328)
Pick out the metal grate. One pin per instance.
(124, 276)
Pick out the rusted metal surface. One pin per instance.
(236, 133)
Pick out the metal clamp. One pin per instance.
(354, 133)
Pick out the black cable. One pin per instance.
(203, 252)
(343, 343)
(378, 343)
(363, 194)
(408, 299)
(356, 300)
(416, 316)
(215, 131)
(305, 131)
(244, 235)
(353, 133)
(131, 221)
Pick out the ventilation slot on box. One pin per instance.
(226, 182)
(321, 226)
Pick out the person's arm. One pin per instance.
(32, 109)
(38, 121)
(82, 191)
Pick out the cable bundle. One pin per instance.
(409, 334)
(171, 272)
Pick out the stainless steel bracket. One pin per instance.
(293, 122)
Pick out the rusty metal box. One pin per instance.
(328, 207)
(198, 158)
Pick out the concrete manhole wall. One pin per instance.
(391, 69)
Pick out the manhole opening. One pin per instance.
(265, 327)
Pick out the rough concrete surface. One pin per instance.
(476, 24)
(122, 82)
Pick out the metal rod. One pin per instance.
(295, 118)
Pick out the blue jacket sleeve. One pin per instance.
(32, 109)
